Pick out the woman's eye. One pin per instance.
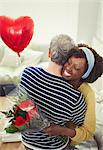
(68, 63)
(76, 68)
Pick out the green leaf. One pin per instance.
(12, 119)
(11, 129)
(22, 127)
(21, 113)
(9, 115)
(10, 112)
(5, 113)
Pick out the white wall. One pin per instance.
(77, 18)
(51, 17)
(87, 21)
(97, 41)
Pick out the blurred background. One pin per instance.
(81, 19)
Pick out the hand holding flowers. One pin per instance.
(24, 115)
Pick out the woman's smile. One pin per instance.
(67, 73)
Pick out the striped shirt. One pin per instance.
(57, 99)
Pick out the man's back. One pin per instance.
(58, 101)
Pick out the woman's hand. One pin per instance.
(57, 130)
(54, 129)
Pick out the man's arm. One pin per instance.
(69, 130)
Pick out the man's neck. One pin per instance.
(54, 68)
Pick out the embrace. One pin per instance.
(62, 93)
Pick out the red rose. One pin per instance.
(19, 121)
(27, 117)
(16, 109)
(33, 113)
(26, 104)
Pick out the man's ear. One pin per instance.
(49, 53)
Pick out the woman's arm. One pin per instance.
(57, 130)
(87, 130)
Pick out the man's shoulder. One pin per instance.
(75, 94)
(31, 69)
(79, 93)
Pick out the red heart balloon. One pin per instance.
(16, 33)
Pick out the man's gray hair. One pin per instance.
(60, 46)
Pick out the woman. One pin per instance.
(86, 131)
(73, 72)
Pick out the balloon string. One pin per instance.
(19, 54)
(19, 62)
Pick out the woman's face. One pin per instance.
(74, 68)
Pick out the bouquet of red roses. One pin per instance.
(24, 115)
